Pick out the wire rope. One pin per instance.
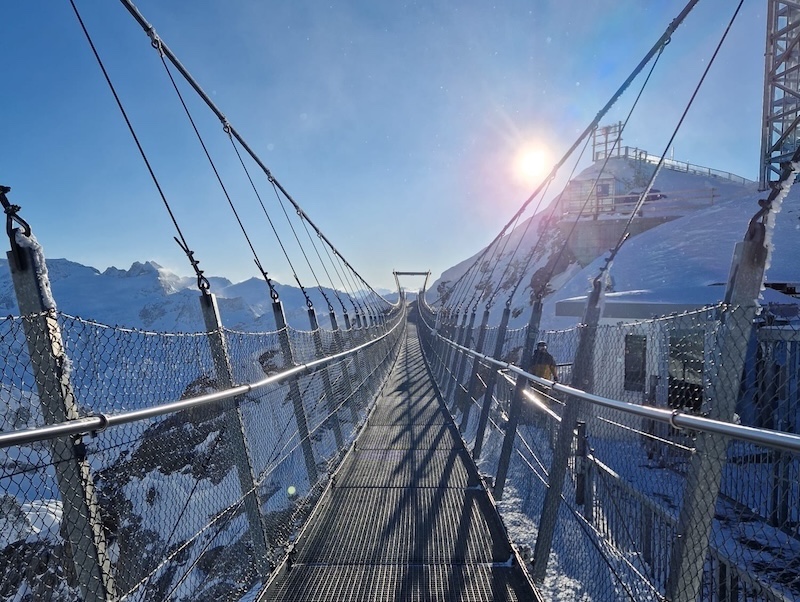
(626, 231)
(272, 291)
(355, 299)
(324, 267)
(302, 251)
(150, 31)
(597, 179)
(662, 41)
(202, 282)
(339, 276)
(157, 44)
(535, 246)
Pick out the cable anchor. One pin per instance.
(202, 282)
(12, 216)
(272, 292)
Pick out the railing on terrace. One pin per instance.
(630, 461)
(157, 466)
(628, 152)
(657, 204)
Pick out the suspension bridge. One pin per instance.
(410, 450)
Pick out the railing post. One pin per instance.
(356, 337)
(705, 471)
(457, 356)
(234, 426)
(581, 465)
(462, 360)
(444, 330)
(81, 523)
(333, 414)
(436, 344)
(452, 334)
(346, 380)
(491, 380)
(582, 376)
(294, 394)
(473, 380)
(517, 401)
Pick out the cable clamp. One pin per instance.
(155, 41)
(103, 424)
(12, 216)
(202, 282)
(672, 416)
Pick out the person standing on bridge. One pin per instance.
(543, 364)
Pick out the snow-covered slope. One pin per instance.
(687, 258)
(149, 297)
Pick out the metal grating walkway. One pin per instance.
(406, 518)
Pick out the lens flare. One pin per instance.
(531, 165)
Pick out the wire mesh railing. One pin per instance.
(201, 503)
(637, 474)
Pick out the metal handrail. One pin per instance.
(675, 418)
(100, 422)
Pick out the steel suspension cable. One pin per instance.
(507, 239)
(202, 282)
(324, 267)
(309, 304)
(535, 247)
(494, 263)
(360, 292)
(339, 276)
(148, 28)
(157, 45)
(662, 41)
(607, 158)
(626, 231)
(272, 291)
(443, 297)
(354, 293)
(460, 290)
(302, 250)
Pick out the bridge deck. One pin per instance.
(406, 518)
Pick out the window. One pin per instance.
(686, 370)
(635, 362)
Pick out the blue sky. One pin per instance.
(396, 126)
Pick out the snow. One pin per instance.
(683, 261)
(44, 517)
(150, 297)
(40, 265)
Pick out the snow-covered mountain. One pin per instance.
(149, 297)
(685, 254)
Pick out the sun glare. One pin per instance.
(532, 164)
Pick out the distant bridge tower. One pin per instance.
(397, 279)
(779, 135)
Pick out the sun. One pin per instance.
(532, 164)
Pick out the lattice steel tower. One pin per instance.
(780, 136)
